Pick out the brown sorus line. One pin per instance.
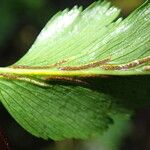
(39, 67)
(132, 64)
(147, 68)
(67, 79)
(87, 66)
(8, 76)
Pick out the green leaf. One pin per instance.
(79, 40)
(76, 44)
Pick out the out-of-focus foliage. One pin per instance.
(127, 5)
(19, 25)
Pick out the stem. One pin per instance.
(62, 73)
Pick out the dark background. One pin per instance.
(20, 23)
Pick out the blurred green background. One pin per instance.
(20, 23)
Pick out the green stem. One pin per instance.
(62, 73)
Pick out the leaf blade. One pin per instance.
(43, 111)
(122, 41)
(62, 119)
